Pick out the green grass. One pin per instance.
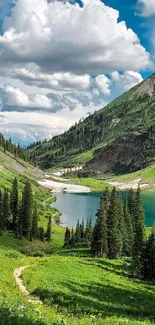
(75, 290)
(146, 175)
(15, 308)
(94, 184)
(91, 291)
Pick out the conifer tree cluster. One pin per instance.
(20, 215)
(82, 235)
(119, 227)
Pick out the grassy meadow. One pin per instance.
(74, 288)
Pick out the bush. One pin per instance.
(35, 247)
(12, 255)
(38, 254)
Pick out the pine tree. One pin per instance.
(67, 237)
(72, 239)
(131, 207)
(121, 222)
(19, 226)
(26, 210)
(82, 230)
(5, 209)
(90, 231)
(138, 244)
(34, 231)
(149, 258)
(99, 245)
(114, 235)
(41, 234)
(87, 231)
(49, 229)
(106, 198)
(78, 233)
(128, 243)
(14, 203)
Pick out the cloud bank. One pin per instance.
(59, 61)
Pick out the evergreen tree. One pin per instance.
(78, 233)
(41, 234)
(128, 243)
(99, 245)
(72, 240)
(86, 230)
(131, 207)
(90, 231)
(138, 244)
(121, 222)
(82, 230)
(149, 258)
(19, 226)
(106, 198)
(5, 209)
(67, 237)
(14, 203)
(114, 235)
(34, 231)
(26, 210)
(49, 229)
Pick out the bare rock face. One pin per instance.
(125, 154)
(147, 86)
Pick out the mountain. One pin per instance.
(12, 165)
(119, 137)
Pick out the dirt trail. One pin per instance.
(17, 275)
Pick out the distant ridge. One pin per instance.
(127, 122)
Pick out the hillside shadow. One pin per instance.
(76, 252)
(106, 265)
(94, 298)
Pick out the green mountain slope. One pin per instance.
(130, 115)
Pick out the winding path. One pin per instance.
(17, 275)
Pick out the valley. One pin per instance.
(77, 162)
(47, 282)
(66, 285)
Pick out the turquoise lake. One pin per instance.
(84, 205)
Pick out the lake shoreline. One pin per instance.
(59, 187)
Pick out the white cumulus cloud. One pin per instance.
(62, 37)
(103, 83)
(58, 81)
(146, 7)
(16, 97)
(125, 81)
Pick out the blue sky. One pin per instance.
(60, 61)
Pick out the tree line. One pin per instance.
(119, 231)
(16, 150)
(20, 214)
(81, 236)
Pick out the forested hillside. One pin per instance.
(16, 150)
(133, 113)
